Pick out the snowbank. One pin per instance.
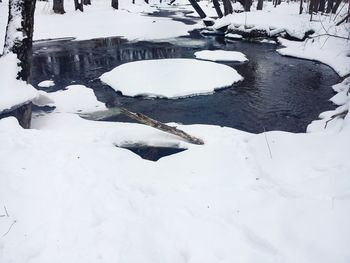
(330, 51)
(221, 55)
(226, 201)
(328, 44)
(170, 78)
(13, 92)
(74, 99)
(130, 21)
(339, 118)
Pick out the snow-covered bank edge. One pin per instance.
(319, 40)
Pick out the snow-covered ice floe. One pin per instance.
(74, 99)
(233, 36)
(221, 55)
(170, 78)
(46, 84)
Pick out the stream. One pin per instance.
(277, 93)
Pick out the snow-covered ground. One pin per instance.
(68, 194)
(99, 20)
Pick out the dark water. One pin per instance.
(152, 153)
(278, 93)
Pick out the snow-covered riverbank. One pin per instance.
(68, 194)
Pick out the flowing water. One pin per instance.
(278, 93)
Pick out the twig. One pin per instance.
(333, 117)
(267, 142)
(330, 35)
(14, 222)
(7, 214)
(343, 20)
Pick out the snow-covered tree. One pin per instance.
(19, 34)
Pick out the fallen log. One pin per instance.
(141, 118)
(161, 126)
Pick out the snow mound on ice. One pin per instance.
(170, 78)
(233, 36)
(13, 92)
(221, 55)
(46, 84)
(74, 99)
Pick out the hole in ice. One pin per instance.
(152, 153)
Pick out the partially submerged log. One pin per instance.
(141, 118)
(161, 126)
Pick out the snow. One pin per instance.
(222, 202)
(233, 36)
(328, 120)
(46, 84)
(13, 33)
(74, 99)
(323, 47)
(13, 92)
(221, 55)
(170, 78)
(331, 52)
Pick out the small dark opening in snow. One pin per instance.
(152, 153)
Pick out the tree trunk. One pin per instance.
(79, 5)
(311, 6)
(246, 4)
(115, 4)
(227, 7)
(198, 9)
(335, 7)
(217, 8)
(260, 5)
(322, 6)
(58, 7)
(329, 6)
(87, 2)
(301, 7)
(18, 40)
(21, 21)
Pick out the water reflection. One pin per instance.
(277, 92)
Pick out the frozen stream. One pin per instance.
(278, 93)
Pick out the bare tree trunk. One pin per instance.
(18, 40)
(322, 6)
(335, 7)
(58, 7)
(217, 8)
(87, 2)
(198, 9)
(260, 5)
(246, 4)
(330, 4)
(21, 21)
(115, 4)
(79, 5)
(227, 7)
(301, 7)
